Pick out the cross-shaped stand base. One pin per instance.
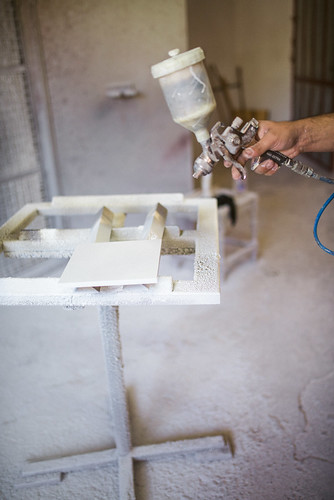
(51, 471)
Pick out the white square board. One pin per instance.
(113, 264)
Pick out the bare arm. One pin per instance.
(291, 138)
(317, 134)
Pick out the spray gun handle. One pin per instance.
(282, 160)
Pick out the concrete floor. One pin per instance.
(258, 369)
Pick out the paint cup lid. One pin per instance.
(177, 61)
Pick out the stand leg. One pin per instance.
(109, 323)
(124, 454)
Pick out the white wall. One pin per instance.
(253, 34)
(133, 145)
(107, 146)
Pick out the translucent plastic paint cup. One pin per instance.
(187, 90)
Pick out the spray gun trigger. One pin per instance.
(255, 162)
(241, 169)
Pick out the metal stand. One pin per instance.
(18, 240)
(242, 248)
(124, 453)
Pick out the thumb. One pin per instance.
(259, 148)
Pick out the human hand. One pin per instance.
(277, 136)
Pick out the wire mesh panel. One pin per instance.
(17, 149)
(20, 170)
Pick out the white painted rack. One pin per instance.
(19, 240)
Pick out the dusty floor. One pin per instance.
(258, 368)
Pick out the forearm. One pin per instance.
(315, 134)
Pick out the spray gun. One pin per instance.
(187, 90)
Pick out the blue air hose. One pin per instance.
(315, 228)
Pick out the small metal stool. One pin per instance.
(238, 242)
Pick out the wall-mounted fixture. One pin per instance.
(122, 90)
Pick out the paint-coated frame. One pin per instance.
(202, 241)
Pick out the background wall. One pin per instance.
(132, 145)
(255, 35)
(114, 146)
